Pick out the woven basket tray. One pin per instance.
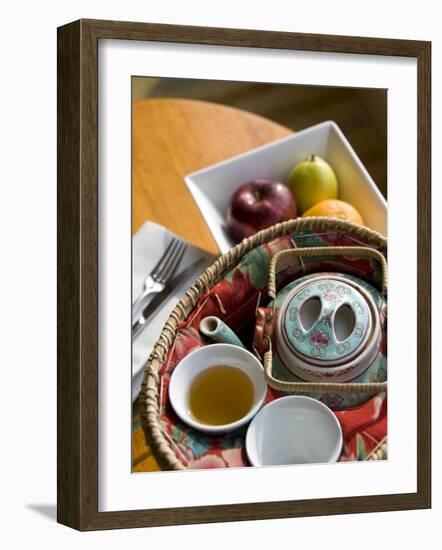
(162, 447)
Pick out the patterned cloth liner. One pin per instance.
(234, 299)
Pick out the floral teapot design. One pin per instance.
(324, 334)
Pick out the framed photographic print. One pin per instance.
(225, 261)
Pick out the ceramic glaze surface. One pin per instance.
(363, 360)
(294, 430)
(321, 341)
(200, 360)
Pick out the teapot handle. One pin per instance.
(326, 251)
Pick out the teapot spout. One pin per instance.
(214, 328)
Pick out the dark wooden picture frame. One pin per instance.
(77, 225)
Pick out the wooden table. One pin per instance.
(172, 138)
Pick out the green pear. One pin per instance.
(312, 180)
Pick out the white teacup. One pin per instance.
(294, 430)
(203, 358)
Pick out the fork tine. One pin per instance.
(165, 256)
(173, 265)
(167, 261)
(176, 262)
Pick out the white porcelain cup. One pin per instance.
(294, 430)
(204, 358)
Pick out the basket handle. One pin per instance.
(324, 251)
(310, 387)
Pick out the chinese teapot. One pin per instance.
(324, 334)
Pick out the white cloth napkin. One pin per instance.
(148, 244)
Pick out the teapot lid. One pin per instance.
(326, 321)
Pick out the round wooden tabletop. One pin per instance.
(174, 137)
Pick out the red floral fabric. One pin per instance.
(364, 428)
(234, 299)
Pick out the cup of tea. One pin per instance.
(294, 430)
(217, 388)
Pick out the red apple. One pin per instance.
(259, 204)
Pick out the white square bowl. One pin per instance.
(213, 187)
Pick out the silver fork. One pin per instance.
(162, 272)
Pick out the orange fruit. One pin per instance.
(334, 208)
